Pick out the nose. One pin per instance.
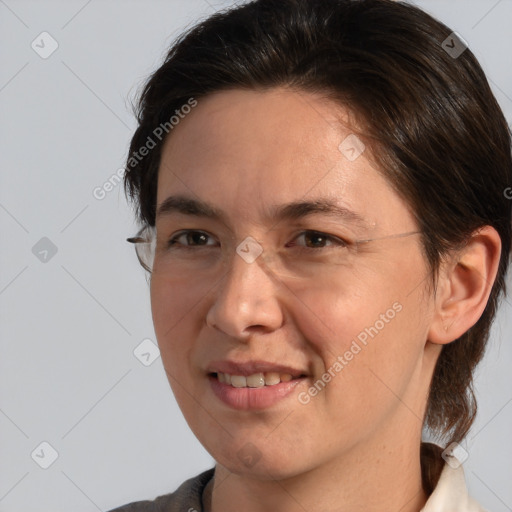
(246, 300)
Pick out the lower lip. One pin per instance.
(252, 398)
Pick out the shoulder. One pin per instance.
(186, 498)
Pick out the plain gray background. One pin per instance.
(70, 321)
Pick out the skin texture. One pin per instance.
(355, 445)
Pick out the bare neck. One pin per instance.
(369, 479)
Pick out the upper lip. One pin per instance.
(251, 367)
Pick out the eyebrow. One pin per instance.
(290, 211)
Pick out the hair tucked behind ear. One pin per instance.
(431, 466)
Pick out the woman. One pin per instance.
(322, 192)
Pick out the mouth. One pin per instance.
(255, 380)
(254, 385)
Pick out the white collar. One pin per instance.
(451, 494)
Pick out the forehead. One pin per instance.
(244, 150)
(272, 126)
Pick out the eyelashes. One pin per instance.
(174, 241)
(312, 235)
(313, 240)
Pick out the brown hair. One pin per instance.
(429, 116)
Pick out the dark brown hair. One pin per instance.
(428, 114)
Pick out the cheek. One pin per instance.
(368, 336)
(174, 318)
(174, 302)
(173, 306)
(343, 310)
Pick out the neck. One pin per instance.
(373, 478)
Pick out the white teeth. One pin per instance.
(238, 381)
(256, 380)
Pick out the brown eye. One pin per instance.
(190, 239)
(314, 239)
(318, 240)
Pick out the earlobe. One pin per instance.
(464, 285)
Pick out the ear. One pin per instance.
(464, 285)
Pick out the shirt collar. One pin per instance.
(450, 493)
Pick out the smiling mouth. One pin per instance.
(256, 380)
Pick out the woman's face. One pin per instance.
(349, 326)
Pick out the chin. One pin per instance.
(271, 464)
